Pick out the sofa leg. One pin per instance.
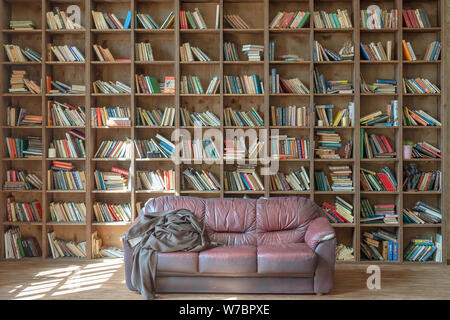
(319, 294)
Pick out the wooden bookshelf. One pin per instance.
(165, 45)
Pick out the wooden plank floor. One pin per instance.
(104, 279)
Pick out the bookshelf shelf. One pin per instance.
(165, 45)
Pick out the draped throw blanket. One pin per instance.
(165, 231)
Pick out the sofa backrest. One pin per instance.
(237, 221)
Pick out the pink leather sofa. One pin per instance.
(271, 245)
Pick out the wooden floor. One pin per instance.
(104, 279)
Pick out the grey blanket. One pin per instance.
(165, 231)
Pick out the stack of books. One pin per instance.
(58, 87)
(379, 245)
(21, 180)
(155, 117)
(379, 213)
(203, 180)
(297, 180)
(64, 114)
(417, 180)
(338, 20)
(381, 181)
(244, 178)
(199, 149)
(336, 86)
(144, 52)
(382, 86)
(285, 147)
(67, 211)
(341, 178)
(242, 118)
(375, 146)
(293, 86)
(28, 147)
(23, 211)
(253, 51)
(18, 117)
(423, 248)
(408, 51)
(419, 86)
(67, 53)
(425, 150)
(148, 149)
(422, 213)
(58, 20)
(375, 51)
(61, 177)
(320, 53)
(110, 87)
(158, 180)
(235, 21)
(325, 115)
(289, 20)
(111, 117)
(380, 118)
(192, 20)
(340, 212)
(61, 248)
(115, 180)
(290, 116)
(418, 118)
(147, 22)
(114, 149)
(106, 21)
(17, 247)
(416, 18)
(189, 53)
(105, 212)
(328, 144)
(21, 25)
(344, 253)
(230, 52)
(17, 54)
(198, 119)
(433, 51)
(379, 19)
(20, 84)
(245, 84)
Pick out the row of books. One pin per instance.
(374, 51)
(17, 117)
(296, 180)
(146, 149)
(417, 180)
(19, 83)
(61, 248)
(103, 54)
(70, 147)
(285, 147)
(290, 116)
(375, 146)
(378, 181)
(379, 245)
(230, 52)
(58, 20)
(67, 211)
(199, 149)
(64, 114)
(106, 21)
(341, 178)
(60, 178)
(67, 53)
(18, 247)
(244, 84)
(147, 22)
(293, 86)
(244, 178)
(419, 86)
(432, 52)
(114, 149)
(289, 20)
(158, 180)
(192, 85)
(331, 86)
(203, 180)
(379, 18)
(59, 87)
(192, 20)
(113, 116)
(155, 117)
(340, 212)
(105, 212)
(417, 18)
(198, 119)
(21, 180)
(334, 20)
(147, 84)
(27, 147)
(23, 211)
(422, 213)
(15, 53)
(189, 53)
(325, 118)
(423, 248)
(117, 179)
(379, 213)
(111, 87)
(381, 86)
(380, 118)
(425, 150)
(144, 52)
(249, 118)
(320, 53)
(344, 253)
(21, 25)
(418, 118)
(235, 21)
(236, 148)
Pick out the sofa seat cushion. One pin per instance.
(230, 259)
(286, 258)
(178, 261)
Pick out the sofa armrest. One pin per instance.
(319, 230)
